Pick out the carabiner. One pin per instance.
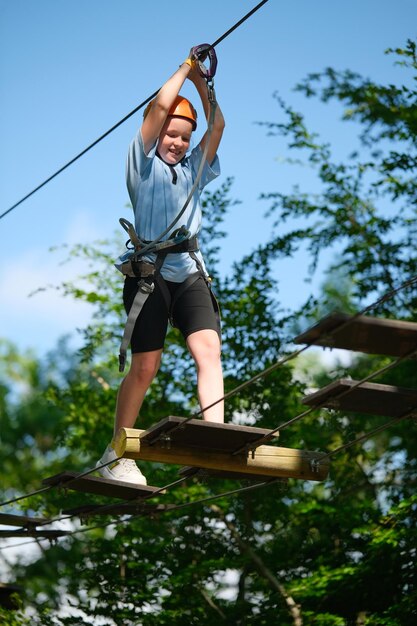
(201, 53)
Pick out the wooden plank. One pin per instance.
(372, 398)
(203, 435)
(35, 532)
(270, 461)
(366, 334)
(7, 519)
(99, 486)
(213, 473)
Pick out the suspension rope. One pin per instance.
(395, 420)
(342, 394)
(126, 117)
(340, 326)
(27, 495)
(234, 491)
(260, 375)
(166, 510)
(315, 463)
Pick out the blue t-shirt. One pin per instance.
(156, 200)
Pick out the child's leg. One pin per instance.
(204, 346)
(134, 386)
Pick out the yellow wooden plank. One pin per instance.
(271, 461)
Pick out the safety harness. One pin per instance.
(148, 273)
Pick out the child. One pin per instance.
(159, 177)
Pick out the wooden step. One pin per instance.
(370, 398)
(366, 334)
(203, 435)
(198, 472)
(24, 521)
(35, 532)
(99, 486)
(224, 447)
(28, 527)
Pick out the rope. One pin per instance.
(342, 394)
(252, 446)
(115, 126)
(291, 356)
(315, 463)
(27, 495)
(167, 510)
(258, 376)
(368, 435)
(213, 106)
(234, 491)
(240, 387)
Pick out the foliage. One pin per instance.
(337, 553)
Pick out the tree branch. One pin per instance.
(262, 569)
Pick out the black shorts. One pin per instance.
(193, 311)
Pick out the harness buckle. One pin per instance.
(145, 286)
(122, 360)
(211, 94)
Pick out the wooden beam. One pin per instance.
(366, 334)
(203, 474)
(270, 461)
(371, 398)
(99, 486)
(35, 532)
(9, 519)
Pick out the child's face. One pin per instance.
(174, 139)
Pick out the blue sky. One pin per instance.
(70, 69)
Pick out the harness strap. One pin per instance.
(145, 288)
(162, 248)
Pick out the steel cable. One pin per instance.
(115, 126)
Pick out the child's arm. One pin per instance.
(155, 119)
(219, 123)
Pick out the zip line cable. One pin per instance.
(378, 429)
(258, 376)
(201, 500)
(124, 119)
(24, 496)
(240, 387)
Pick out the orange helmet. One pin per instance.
(181, 107)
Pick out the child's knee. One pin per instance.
(145, 368)
(208, 352)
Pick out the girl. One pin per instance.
(159, 178)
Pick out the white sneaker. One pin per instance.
(123, 470)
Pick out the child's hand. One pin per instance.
(194, 73)
(199, 54)
(193, 57)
